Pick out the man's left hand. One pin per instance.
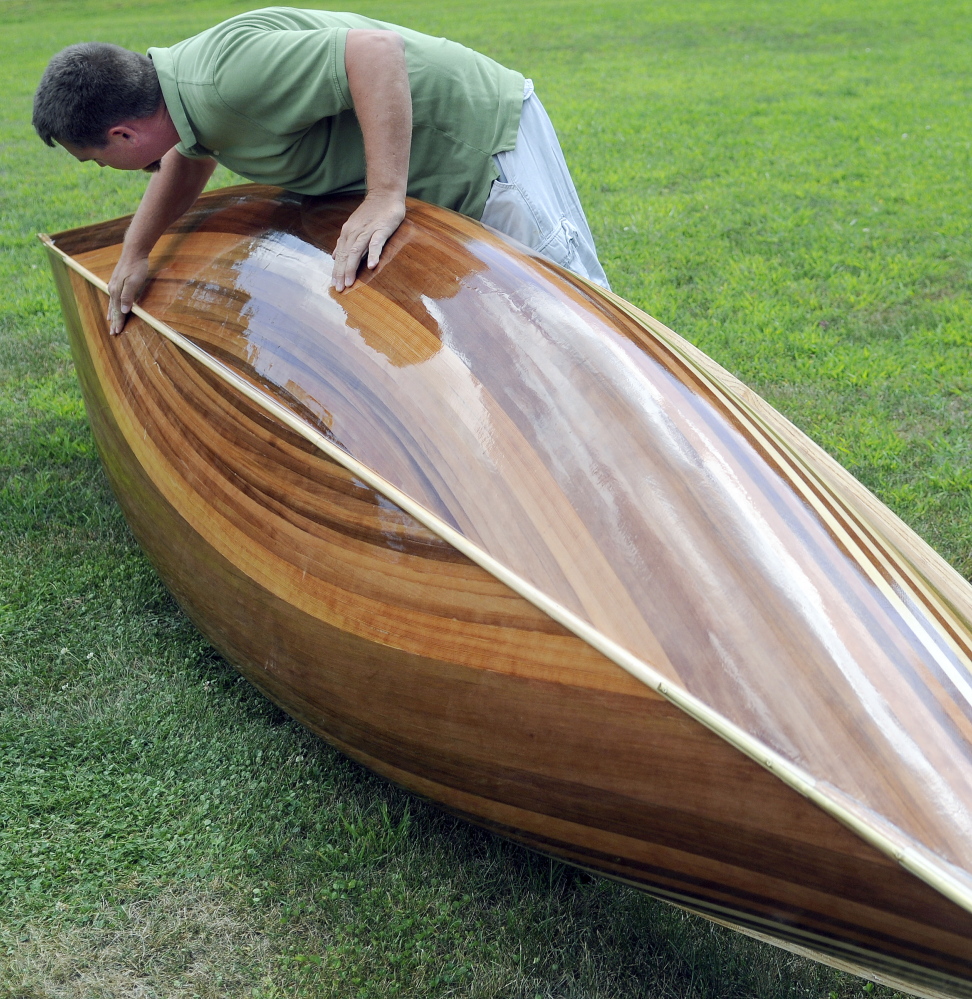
(366, 231)
(378, 81)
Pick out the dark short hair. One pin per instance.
(91, 87)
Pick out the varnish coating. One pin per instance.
(609, 465)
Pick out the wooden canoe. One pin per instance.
(520, 548)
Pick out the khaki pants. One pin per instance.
(534, 199)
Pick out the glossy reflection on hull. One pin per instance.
(660, 510)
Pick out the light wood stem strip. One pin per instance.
(925, 867)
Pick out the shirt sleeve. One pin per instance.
(190, 152)
(281, 79)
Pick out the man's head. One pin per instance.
(94, 99)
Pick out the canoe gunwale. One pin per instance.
(930, 868)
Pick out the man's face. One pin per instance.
(122, 152)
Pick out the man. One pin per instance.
(318, 103)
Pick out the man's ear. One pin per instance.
(123, 132)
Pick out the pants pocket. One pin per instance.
(561, 245)
(549, 233)
(508, 211)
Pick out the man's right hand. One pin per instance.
(171, 191)
(126, 282)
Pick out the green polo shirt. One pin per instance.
(266, 93)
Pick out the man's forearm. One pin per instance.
(170, 193)
(378, 80)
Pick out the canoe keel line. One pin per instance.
(449, 582)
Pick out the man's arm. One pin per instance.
(378, 79)
(170, 193)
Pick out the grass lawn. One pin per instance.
(784, 184)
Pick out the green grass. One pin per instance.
(784, 184)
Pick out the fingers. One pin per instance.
(123, 289)
(347, 261)
(347, 258)
(119, 305)
(364, 234)
(116, 318)
(375, 247)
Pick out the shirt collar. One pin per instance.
(162, 58)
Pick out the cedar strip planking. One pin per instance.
(496, 397)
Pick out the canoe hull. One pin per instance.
(401, 652)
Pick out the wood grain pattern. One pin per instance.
(617, 470)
